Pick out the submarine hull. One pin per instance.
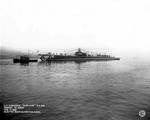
(82, 59)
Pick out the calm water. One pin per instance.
(112, 90)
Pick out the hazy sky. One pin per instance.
(43, 24)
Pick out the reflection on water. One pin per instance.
(95, 90)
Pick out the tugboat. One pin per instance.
(24, 59)
(79, 55)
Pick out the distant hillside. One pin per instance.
(6, 53)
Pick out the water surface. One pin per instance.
(95, 90)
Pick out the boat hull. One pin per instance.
(23, 61)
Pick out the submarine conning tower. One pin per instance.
(80, 53)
